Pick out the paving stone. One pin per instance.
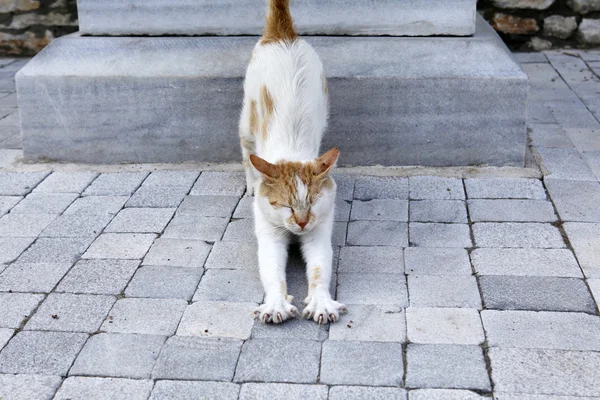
(536, 293)
(145, 316)
(158, 197)
(585, 239)
(371, 259)
(575, 200)
(375, 187)
(97, 205)
(517, 235)
(535, 371)
(233, 255)
(24, 225)
(76, 387)
(177, 253)
(296, 328)
(55, 250)
(444, 326)
(371, 324)
(548, 135)
(141, 220)
(71, 313)
(345, 186)
(339, 234)
(526, 262)
(167, 179)
(98, 276)
(27, 387)
(505, 188)
(43, 203)
(195, 227)
(549, 330)
(342, 211)
(564, 164)
(45, 353)
(380, 210)
(362, 363)
(382, 289)
(281, 360)
(77, 225)
(5, 335)
(191, 358)
(230, 285)
(448, 211)
(181, 390)
(364, 392)
(443, 291)
(66, 182)
(8, 157)
(102, 355)
(282, 391)
(16, 307)
(210, 206)
(220, 184)
(241, 230)
(120, 245)
(432, 261)
(7, 203)
(245, 207)
(19, 183)
(446, 366)
(511, 211)
(32, 277)
(584, 139)
(116, 184)
(594, 285)
(440, 235)
(433, 187)
(445, 394)
(220, 319)
(377, 233)
(164, 282)
(523, 396)
(524, 58)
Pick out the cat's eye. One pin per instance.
(278, 205)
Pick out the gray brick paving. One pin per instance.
(380, 210)
(19, 183)
(584, 239)
(141, 220)
(446, 366)
(296, 328)
(446, 394)
(193, 358)
(279, 360)
(27, 387)
(340, 233)
(232, 255)
(230, 285)
(241, 230)
(116, 184)
(432, 261)
(182, 390)
(542, 330)
(536, 293)
(269, 391)
(212, 206)
(526, 262)
(164, 282)
(77, 387)
(549, 135)
(98, 276)
(120, 245)
(436, 188)
(371, 324)
(371, 259)
(505, 188)
(66, 182)
(342, 210)
(102, 355)
(44, 203)
(7, 203)
(362, 363)
(511, 210)
(45, 353)
(32, 277)
(77, 225)
(443, 291)
(97, 205)
(448, 211)
(244, 208)
(444, 326)
(196, 228)
(379, 289)
(575, 200)
(365, 392)
(158, 197)
(5, 335)
(24, 225)
(374, 187)
(517, 235)
(220, 184)
(565, 164)
(178, 253)
(440, 235)
(169, 179)
(345, 185)
(377, 233)
(71, 313)
(16, 307)
(594, 285)
(218, 318)
(145, 316)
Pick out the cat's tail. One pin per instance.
(280, 25)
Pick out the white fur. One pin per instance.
(292, 73)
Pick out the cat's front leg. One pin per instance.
(272, 259)
(317, 252)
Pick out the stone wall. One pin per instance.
(26, 26)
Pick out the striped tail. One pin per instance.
(280, 25)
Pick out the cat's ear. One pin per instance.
(264, 167)
(326, 161)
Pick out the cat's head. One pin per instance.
(297, 195)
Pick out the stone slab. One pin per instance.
(585, 239)
(443, 291)
(282, 391)
(189, 390)
(220, 319)
(32, 277)
(77, 387)
(26, 387)
(145, 316)
(517, 235)
(98, 276)
(247, 17)
(476, 89)
(365, 392)
(437, 261)
(526, 262)
(164, 282)
(444, 326)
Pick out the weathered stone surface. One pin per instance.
(76, 387)
(585, 239)
(447, 211)
(201, 95)
(219, 184)
(98, 276)
(141, 220)
(369, 323)
(26, 387)
(233, 255)
(511, 211)
(436, 188)
(371, 259)
(377, 233)
(440, 235)
(526, 262)
(312, 17)
(295, 328)
(515, 25)
(213, 206)
(55, 250)
(120, 245)
(230, 285)
(445, 394)
(32, 277)
(382, 289)
(221, 319)
(443, 291)
(575, 200)
(589, 31)
(559, 26)
(365, 392)
(167, 390)
(276, 391)
(177, 253)
(164, 282)
(505, 188)
(145, 316)
(444, 326)
(524, 235)
(116, 184)
(530, 4)
(584, 6)
(380, 210)
(16, 307)
(432, 261)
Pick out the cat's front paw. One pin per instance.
(323, 309)
(275, 311)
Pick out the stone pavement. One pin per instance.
(137, 282)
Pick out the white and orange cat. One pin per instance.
(284, 116)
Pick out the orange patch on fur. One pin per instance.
(315, 278)
(324, 81)
(280, 25)
(268, 108)
(253, 118)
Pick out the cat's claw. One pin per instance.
(323, 310)
(275, 311)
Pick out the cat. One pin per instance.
(284, 116)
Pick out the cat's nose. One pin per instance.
(302, 224)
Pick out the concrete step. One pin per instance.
(247, 17)
(394, 101)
